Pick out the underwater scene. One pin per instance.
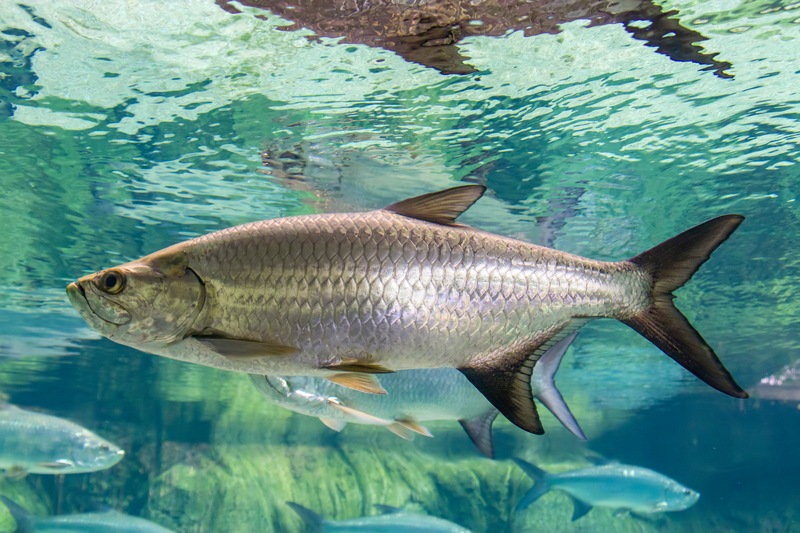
(452, 191)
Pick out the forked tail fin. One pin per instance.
(312, 520)
(671, 264)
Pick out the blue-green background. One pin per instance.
(128, 126)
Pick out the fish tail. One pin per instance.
(312, 520)
(22, 517)
(541, 486)
(670, 265)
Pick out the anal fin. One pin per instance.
(353, 365)
(479, 430)
(505, 377)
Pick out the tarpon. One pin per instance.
(416, 396)
(347, 296)
(614, 485)
(102, 522)
(36, 443)
(393, 520)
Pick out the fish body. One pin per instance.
(414, 396)
(405, 287)
(618, 486)
(392, 521)
(36, 443)
(104, 522)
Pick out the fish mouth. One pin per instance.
(107, 311)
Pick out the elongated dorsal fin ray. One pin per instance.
(479, 430)
(442, 207)
(544, 385)
(505, 379)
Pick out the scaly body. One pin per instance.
(399, 288)
(36, 443)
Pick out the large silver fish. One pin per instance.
(36, 443)
(614, 485)
(350, 295)
(103, 522)
(415, 396)
(392, 520)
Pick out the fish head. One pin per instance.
(92, 453)
(677, 498)
(149, 302)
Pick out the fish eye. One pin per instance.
(112, 282)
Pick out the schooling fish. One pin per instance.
(415, 396)
(105, 522)
(622, 487)
(347, 296)
(35, 443)
(392, 520)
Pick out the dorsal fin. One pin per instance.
(442, 207)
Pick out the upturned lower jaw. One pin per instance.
(110, 312)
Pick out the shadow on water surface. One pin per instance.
(426, 32)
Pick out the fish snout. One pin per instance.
(90, 302)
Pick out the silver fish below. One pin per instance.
(36, 443)
(392, 520)
(614, 485)
(415, 396)
(103, 522)
(350, 295)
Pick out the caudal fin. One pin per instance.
(541, 486)
(671, 264)
(22, 517)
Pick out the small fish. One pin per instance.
(347, 296)
(35, 443)
(415, 396)
(392, 520)
(105, 522)
(614, 485)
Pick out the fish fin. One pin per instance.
(360, 382)
(415, 426)
(507, 382)
(242, 349)
(671, 264)
(56, 465)
(353, 365)
(544, 385)
(312, 520)
(539, 477)
(334, 424)
(441, 207)
(360, 416)
(387, 509)
(401, 431)
(22, 517)
(16, 472)
(579, 508)
(479, 430)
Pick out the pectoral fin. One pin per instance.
(56, 465)
(241, 349)
(505, 378)
(414, 426)
(360, 382)
(15, 472)
(360, 416)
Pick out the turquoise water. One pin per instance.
(129, 126)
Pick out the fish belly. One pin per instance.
(382, 288)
